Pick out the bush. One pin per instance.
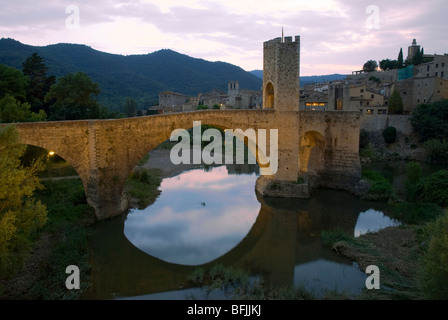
(431, 120)
(433, 276)
(390, 135)
(413, 177)
(417, 213)
(363, 139)
(434, 188)
(437, 150)
(380, 187)
(329, 238)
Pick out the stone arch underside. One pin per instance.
(155, 135)
(311, 153)
(54, 138)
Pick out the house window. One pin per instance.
(437, 65)
(427, 68)
(362, 90)
(360, 103)
(367, 103)
(441, 74)
(372, 96)
(443, 64)
(437, 74)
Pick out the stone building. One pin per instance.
(242, 98)
(171, 99)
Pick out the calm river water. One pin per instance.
(207, 217)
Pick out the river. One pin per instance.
(207, 217)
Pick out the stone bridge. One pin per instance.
(322, 146)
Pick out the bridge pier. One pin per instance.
(105, 195)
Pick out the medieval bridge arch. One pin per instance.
(104, 152)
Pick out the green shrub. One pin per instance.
(390, 135)
(434, 188)
(437, 150)
(413, 177)
(329, 238)
(363, 139)
(380, 187)
(416, 212)
(433, 275)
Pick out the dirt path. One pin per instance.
(160, 159)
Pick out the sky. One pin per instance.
(336, 36)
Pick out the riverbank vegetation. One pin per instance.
(142, 187)
(44, 226)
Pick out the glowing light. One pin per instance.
(51, 153)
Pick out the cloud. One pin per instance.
(333, 32)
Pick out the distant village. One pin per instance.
(368, 92)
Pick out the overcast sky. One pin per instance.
(336, 36)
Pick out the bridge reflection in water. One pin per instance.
(283, 245)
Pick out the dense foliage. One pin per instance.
(390, 135)
(20, 214)
(434, 272)
(431, 120)
(434, 188)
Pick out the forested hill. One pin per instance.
(140, 77)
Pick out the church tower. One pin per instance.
(413, 50)
(281, 74)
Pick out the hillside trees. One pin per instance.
(39, 84)
(13, 103)
(73, 97)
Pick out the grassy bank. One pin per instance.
(142, 187)
(62, 242)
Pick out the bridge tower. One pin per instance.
(281, 74)
(281, 94)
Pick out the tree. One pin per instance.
(387, 64)
(390, 135)
(400, 61)
(20, 214)
(370, 66)
(418, 58)
(130, 107)
(431, 120)
(395, 103)
(13, 82)
(12, 110)
(74, 97)
(34, 67)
